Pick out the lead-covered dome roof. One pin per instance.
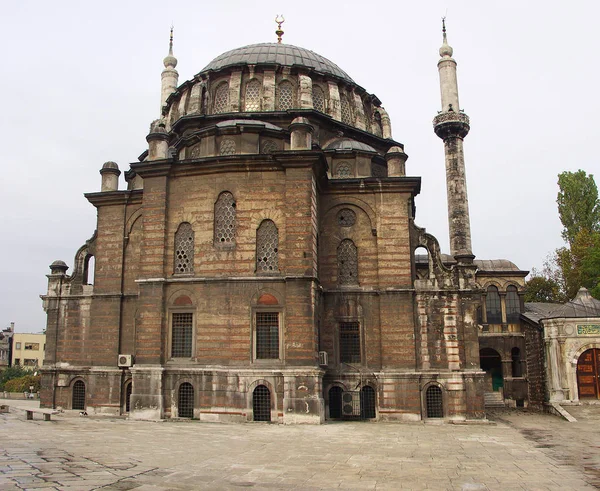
(276, 54)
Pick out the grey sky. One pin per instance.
(81, 84)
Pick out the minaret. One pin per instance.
(452, 125)
(169, 76)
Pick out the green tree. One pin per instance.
(578, 204)
(542, 289)
(10, 373)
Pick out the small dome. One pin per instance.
(395, 149)
(348, 144)
(58, 267)
(107, 165)
(276, 54)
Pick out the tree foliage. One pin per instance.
(23, 384)
(542, 289)
(578, 204)
(10, 373)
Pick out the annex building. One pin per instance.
(264, 263)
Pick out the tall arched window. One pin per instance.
(184, 249)
(78, 400)
(261, 403)
(221, 101)
(267, 247)
(185, 402)
(285, 96)
(346, 111)
(347, 259)
(513, 305)
(318, 98)
(225, 219)
(252, 99)
(492, 306)
(89, 269)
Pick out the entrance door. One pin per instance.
(491, 363)
(588, 374)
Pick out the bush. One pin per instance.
(13, 372)
(22, 384)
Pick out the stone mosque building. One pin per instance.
(265, 264)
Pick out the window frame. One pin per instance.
(259, 270)
(176, 243)
(180, 359)
(361, 340)
(497, 319)
(267, 309)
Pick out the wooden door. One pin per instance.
(588, 375)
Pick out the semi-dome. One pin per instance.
(276, 54)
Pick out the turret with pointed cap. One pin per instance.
(169, 75)
(452, 125)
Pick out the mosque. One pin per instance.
(264, 263)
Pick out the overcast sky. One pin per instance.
(81, 84)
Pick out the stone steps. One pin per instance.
(493, 399)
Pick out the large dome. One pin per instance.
(276, 54)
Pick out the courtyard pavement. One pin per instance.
(519, 450)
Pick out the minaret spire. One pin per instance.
(452, 126)
(169, 76)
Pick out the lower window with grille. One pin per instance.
(267, 335)
(350, 342)
(181, 335)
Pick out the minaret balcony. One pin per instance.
(451, 124)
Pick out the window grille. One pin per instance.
(78, 396)
(377, 127)
(221, 104)
(128, 397)
(267, 243)
(335, 402)
(492, 305)
(181, 335)
(346, 112)
(350, 342)
(225, 219)
(318, 99)
(347, 258)
(252, 96)
(343, 171)
(346, 217)
(367, 402)
(513, 305)
(434, 402)
(286, 96)
(227, 147)
(261, 403)
(184, 249)
(185, 406)
(269, 146)
(267, 335)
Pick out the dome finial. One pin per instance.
(170, 60)
(171, 40)
(280, 20)
(446, 49)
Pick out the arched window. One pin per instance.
(252, 100)
(335, 402)
(89, 269)
(378, 128)
(513, 305)
(346, 111)
(128, 388)
(422, 263)
(434, 402)
(221, 102)
(285, 96)
(267, 247)
(227, 147)
(185, 402)
(225, 219)
(184, 249)
(261, 403)
(78, 401)
(347, 259)
(344, 171)
(516, 362)
(318, 98)
(367, 402)
(492, 306)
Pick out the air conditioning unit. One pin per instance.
(125, 361)
(351, 405)
(323, 358)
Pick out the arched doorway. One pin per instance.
(434, 402)
(491, 364)
(261, 403)
(78, 401)
(335, 402)
(588, 374)
(185, 406)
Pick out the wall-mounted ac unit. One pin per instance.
(323, 358)
(351, 405)
(125, 361)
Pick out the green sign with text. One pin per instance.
(588, 329)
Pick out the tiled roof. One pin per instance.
(583, 305)
(276, 54)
